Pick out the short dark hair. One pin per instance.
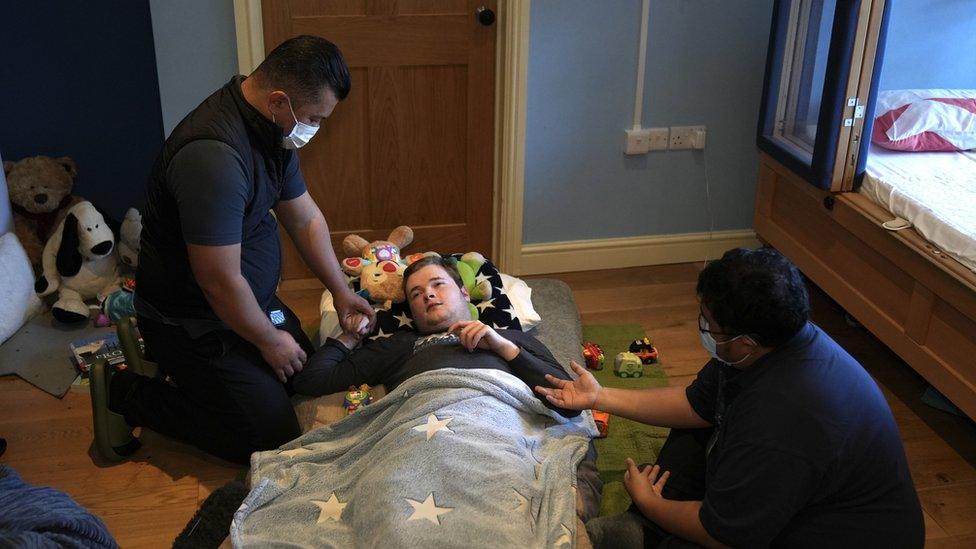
(448, 265)
(755, 292)
(303, 65)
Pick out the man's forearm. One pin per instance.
(664, 406)
(680, 518)
(314, 243)
(235, 304)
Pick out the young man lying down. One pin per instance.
(447, 338)
(460, 452)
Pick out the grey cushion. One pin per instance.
(560, 330)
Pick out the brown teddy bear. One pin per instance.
(40, 195)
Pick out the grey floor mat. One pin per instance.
(560, 329)
(39, 353)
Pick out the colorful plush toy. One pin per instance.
(378, 265)
(357, 397)
(468, 267)
(40, 195)
(78, 263)
(644, 350)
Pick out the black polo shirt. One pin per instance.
(806, 452)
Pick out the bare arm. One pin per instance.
(305, 224)
(665, 406)
(217, 270)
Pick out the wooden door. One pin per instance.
(412, 144)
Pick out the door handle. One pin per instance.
(485, 16)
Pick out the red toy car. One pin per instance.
(592, 355)
(602, 420)
(644, 350)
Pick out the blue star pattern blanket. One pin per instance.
(451, 458)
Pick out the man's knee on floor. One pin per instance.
(271, 430)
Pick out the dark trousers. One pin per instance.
(683, 455)
(226, 400)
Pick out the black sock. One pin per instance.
(120, 387)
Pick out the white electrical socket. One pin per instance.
(687, 137)
(658, 139)
(637, 140)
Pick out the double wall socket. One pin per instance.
(687, 137)
(643, 140)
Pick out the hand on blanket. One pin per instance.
(476, 334)
(579, 394)
(644, 485)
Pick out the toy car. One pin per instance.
(628, 365)
(593, 355)
(602, 420)
(644, 350)
(357, 397)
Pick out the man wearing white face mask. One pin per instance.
(210, 262)
(782, 440)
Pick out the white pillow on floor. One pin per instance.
(18, 302)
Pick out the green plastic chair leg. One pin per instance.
(113, 436)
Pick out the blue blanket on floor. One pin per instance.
(451, 458)
(33, 516)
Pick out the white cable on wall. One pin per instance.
(641, 60)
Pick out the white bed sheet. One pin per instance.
(936, 191)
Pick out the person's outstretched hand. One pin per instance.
(644, 485)
(580, 394)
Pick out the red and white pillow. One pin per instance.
(926, 120)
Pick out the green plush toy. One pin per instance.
(468, 267)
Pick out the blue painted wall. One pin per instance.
(705, 65)
(196, 52)
(79, 79)
(930, 45)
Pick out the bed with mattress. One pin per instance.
(914, 287)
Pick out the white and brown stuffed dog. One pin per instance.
(78, 263)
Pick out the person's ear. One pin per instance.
(277, 102)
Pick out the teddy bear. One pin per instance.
(78, 263)
(40, 195)
(378, 265)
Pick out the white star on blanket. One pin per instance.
(481, 279)
(380, 335)
(433, 425)
(486, 304)
(427, 510)
(510, 311)
(330, 510)
(404, 320)
(294, 452)
(565, 539)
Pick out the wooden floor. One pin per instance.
(147, 502)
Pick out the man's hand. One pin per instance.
(359, 324)
(350, 306)
(644, 486)
(284, 355)
(580, 394)
(476, 334)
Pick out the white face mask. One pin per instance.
(300, 135)
(710, 345)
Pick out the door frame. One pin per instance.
(511, 69)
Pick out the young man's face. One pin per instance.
(436, 301)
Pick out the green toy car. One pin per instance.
(628, 365)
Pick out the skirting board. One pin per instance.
(616, 253)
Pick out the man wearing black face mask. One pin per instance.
(782, 440)
(210, 262)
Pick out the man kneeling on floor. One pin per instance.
(448, 338)
(783, 439)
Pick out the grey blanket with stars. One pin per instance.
(451, 458)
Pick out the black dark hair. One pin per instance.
(448, 265)
(755, 292)
(302, 66)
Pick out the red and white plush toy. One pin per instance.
(78, 262)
